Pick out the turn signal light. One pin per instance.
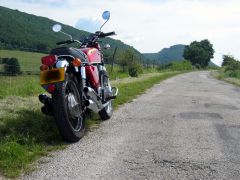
(77, 62)
(43, 67)
(49, 60)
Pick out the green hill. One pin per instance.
(166, 55)
(22, 31)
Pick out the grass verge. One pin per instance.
(224, 77)
(26, 134)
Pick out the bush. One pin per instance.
(134, 70)
(5, 60)
(233, 66)
(234, 74)
(227, 60)
(12, 67)
(181, 66)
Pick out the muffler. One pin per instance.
(92, 105)
(94, 101)
(47, 101)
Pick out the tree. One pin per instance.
(227, 60)
(129, 62)
(199, 53)
(230, 63)
(122, 59)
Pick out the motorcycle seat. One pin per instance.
(69, 51)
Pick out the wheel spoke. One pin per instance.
(74, 111)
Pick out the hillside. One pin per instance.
(166, 55)
(22, 31)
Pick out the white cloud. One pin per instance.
(89, 25)
(154, 24)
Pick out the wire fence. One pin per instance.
(19, 78)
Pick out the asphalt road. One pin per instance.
(187, 127)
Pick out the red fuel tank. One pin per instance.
(94, 56)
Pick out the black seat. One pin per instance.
(69, 51)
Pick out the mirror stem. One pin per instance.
(103, 24)
(67, 34)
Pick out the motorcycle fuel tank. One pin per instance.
(94, 56)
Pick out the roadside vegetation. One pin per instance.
(230, 71)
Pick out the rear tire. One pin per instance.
(68, 111)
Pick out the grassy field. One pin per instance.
(26, 134)
(29, 61)
(19, 86)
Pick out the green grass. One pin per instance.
(19, 86)
(230, 77)
(29, 61)
(26, 134)
(116, 72)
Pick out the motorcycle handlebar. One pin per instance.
(102, 35)
(110, 33)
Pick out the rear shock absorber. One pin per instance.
(83, 76)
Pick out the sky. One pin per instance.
(149, 25)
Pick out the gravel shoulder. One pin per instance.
(187, 127)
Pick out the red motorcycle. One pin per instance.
(78, 81)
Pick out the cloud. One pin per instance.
(46, 2)
(89, 25)
(149, 25)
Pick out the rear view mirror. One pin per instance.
(57, 28)
(106, 15)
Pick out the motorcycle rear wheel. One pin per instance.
(67, 110)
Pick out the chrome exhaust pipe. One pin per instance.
(94, 102)
(92, 105)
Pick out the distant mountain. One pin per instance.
(28, 32)
(166, 55)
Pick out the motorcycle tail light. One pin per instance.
(77, 62)
(49, 60)
(43, 67)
